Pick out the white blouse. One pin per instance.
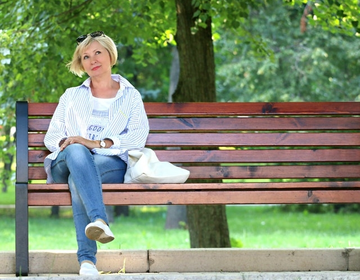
(127, 125)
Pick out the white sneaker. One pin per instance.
(88, 269)
(99, 231)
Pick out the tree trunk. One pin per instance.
(55, 212)
(122, 210)
(9, 158)
(196, 54)
(116, 211)
(176, 217)
(207, 224)
(174, 73)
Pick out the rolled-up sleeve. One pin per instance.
(56, 131)
(137, 130)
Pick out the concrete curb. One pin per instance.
(180, 262)
(323, 275)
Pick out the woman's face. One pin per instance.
(96, 60)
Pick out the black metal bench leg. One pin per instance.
(21, 186)
(22, 230)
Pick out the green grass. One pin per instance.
(250, 226)
(8, 197)
(268, 227)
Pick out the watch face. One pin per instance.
(102, 144)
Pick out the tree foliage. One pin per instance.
(335, 16)
(316, 65)
(37, 39)
(41, 39)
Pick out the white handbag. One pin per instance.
(145, 167)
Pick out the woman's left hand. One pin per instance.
(90, 144)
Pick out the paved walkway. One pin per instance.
(323, 275)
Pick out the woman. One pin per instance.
(93, 127)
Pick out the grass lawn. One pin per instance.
(8, 197)
(250, 227)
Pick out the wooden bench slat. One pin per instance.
(234, 124)
(249, 172)
(242, 156)
(251, 108)
(207, 197)
(239, 139)
(47, 188)
(253, 140)
(229, 108)
(231, 197)
(252, 124)
(274, 172)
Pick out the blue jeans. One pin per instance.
(84, 172)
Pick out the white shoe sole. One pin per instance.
(99, 232)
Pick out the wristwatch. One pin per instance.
(102, 144)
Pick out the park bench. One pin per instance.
(237, 153)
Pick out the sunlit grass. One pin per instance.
(8, 197)
(250, 227)
(268, 227)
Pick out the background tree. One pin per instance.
(207, 224)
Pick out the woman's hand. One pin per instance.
(90, 144)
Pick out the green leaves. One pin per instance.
(275, 62)
(43, 38)
(335, 16)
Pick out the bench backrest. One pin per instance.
(250, 142)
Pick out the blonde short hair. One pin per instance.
(75, 65)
